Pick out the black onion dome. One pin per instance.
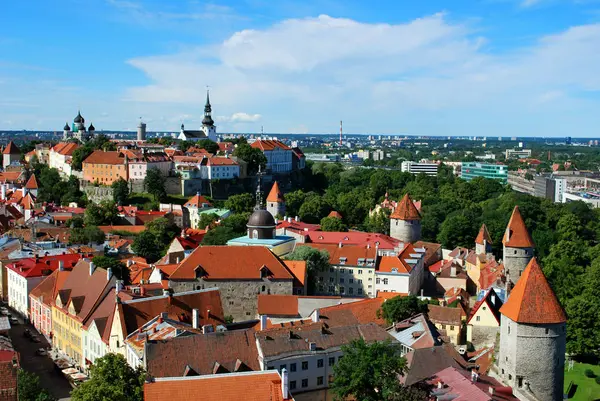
(207, 120)
(67, 128)
(261, 218)
(79, 118)
(91, 128)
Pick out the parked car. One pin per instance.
(4, 311)
(13, 320)
(35, 339)
(41, 352)
(27, 333)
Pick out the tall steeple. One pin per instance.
(258, 192)
(207, 120)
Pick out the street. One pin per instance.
(50, 377)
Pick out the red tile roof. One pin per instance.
(10, 176)
(532, 300)
(335, 214)
(197, 201)
(221, 161)
(44, 266)
(298, 269)
(444, 315)
(131, 229)
(278, 305)
(32, 183)
(483, 235)
(11, 149)
(406, 210)
(351, 252)
(390, 295)
(65, 148)
(254, 386)
(101, 157)
(516, 234)
(268, 144)
(359, 312)
(220, 263)
(275, 194)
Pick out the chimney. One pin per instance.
(108, 274)
(195, 318)
(453, 271)
(316, 316)
(440, 385)
(297, 218)
(207, 314)
(61, 266)
(92, 268)
(491, 390)
(3, 191)
(421, 293)
(118, 286)
(129, 263)
(166, 292)
(340, 244)
(289, 219)
(284, 384)
(263, 322)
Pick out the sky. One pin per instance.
(429, 67)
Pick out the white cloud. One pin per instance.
(245, 117)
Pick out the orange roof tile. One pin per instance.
(483, 235)
(351, 252)
(359, 312)
(532, 300)
(335, 214)
(221, 262)
(65, 148)
(390, 295)
(32, 183)
(516, 234)
(197, 201)
(406, 210)
(130, 229)
(280, 305)
(298, 269)
(11, 149)
(275, 195)
(101, 157)
(268, 144)
(249, 386)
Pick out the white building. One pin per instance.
(517, 153)
(60, 157)
(404, 273)
(208, 130)
(279, 155)
(428, 168)
(221, 168)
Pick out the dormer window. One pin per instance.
(265, 272)
(200, 272)
(343, 260)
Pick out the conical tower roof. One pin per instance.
(275, 195)
(11, 149)
(532, 300)
(32, 183)
(483, 235)
(406, 210)
(516, 235)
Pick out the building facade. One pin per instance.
(471, 170)
(419, 167)
(405, 221)
(105, 167)
(279, 156)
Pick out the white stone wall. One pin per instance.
(356, 281)
(515, 261)
(392, 282)
(405, 230)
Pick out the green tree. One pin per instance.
(254, 157)
(120, 189)
(93, 215)
(111, 378)
(317, 260)
(145, 245)
(78, 156)
(369, 372)
(86, 235)
(401, 308)
(163, 230)
(232, 227)
(155, 184)
(314, 209)
(208, 145)
(118, 268)
(240, 203)
(457, 230)
(30, 389)
(293, 202)
(207, 220)
(333, 224)
(378, 222)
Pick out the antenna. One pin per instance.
(341, 132)
(261, 131)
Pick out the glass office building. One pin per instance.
(470, 170)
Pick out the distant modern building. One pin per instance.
(517, 153)
(551, 188)
(591, 198)
(470, 170)
(323, 157)
(519, 183)
(419, 167)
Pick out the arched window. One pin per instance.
(255, 234)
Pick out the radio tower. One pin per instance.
(340, 132)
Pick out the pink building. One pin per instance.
(40, 301)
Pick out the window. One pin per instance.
(331, 361)
(477, 318)
(547, 330)
(350, 290)
(359, 271)
(351, 280)
(342, 290)
(331, 288)
(377, 280)
(509, 329)
(320, 381)
(342, 271)
(359, 281)
(331, 270)
(320, 279)
(247, 313)
(385, 281)
(360, 291)
(319, 363)
(443, 327)
(331, 279)
(293, 385)
(305, 365)
(520, 381)
(304, 383)
(451, 328)
(341, 280)
(484, 308)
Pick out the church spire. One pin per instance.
(258, 192)
(207, 120)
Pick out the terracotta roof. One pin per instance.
(444, 315)
(221, 161)
(406, 210)
(516, 234)
(483, 235)
(390, 295)
(268, 144)
(532, 299)
(10, 176)
(47, 289)
(335, 214)
(352, 253)
(233, 350)
(44, 266)
(84, 290)
(275, 195)
(131, 229)
(425, 362)
(32, 183)
(220, 262)
(298, 270)
(11, 149)
(103, 315)
(359, 312)
(255, 386)
(197, 201)
(179, 306)
(65, 148)
(494, 307)
(491, 273)
(352, 238)
(278, 305)
(101, 157)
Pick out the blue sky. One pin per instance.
(489, 67)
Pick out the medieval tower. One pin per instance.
(518, 246)
(533, 338)
(275, 201)
(405, 221)
(483, 242)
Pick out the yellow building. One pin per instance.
(448, 321)
(484, 321)
(77, 298)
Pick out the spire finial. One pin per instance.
(258, 192)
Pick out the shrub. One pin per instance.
(597, 379)
(589, 373)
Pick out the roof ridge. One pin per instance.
(406, 210)
(516, 234)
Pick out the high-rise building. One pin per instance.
(419, 167)
(551, 188)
